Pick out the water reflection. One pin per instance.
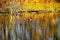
(30, 26)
